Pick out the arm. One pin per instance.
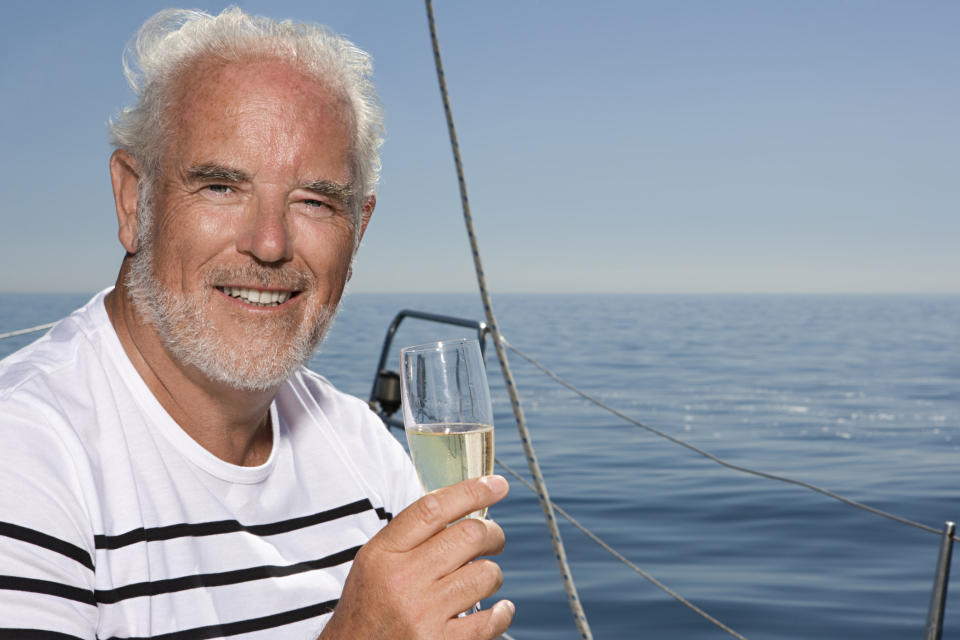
(412, 579)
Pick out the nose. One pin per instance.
(266, 233)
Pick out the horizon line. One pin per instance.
(895, 292)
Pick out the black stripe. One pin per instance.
(244, 626)
(47, 542)
(171, 585)
(34, 634)
(15, 583)
(384, 514)
(198, 529)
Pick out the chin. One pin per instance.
(248, 354)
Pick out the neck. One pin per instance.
(231, 424)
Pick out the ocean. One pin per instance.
(858, 394)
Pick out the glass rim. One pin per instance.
(438, 345)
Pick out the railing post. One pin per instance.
(941, 578)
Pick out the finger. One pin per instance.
(434, 511)
(485, 624)
(460, 543)
(470, 584)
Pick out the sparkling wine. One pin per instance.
(448, 453)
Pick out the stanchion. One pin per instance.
(938, 600)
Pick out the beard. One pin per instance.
(261, 356)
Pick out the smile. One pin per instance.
(257, 297)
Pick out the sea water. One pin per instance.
(856, 394)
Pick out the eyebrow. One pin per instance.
(339, 192)
(217, 172)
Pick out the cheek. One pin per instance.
(198, 231)
(327, 236)
(336, 261)
(328, 253)
(185, 240)
(211, 225)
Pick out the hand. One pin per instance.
(413, 578)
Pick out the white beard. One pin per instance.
(260, 359)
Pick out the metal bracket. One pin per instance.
(938, 601)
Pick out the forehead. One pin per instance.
(268, 105)
(208, 80)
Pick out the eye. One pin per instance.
(315, 208)
(219, 189)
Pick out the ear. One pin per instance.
(365, 214)
(125, 178)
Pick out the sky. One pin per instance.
(693, 146)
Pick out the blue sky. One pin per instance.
(692, 146)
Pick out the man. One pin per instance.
(168, 467)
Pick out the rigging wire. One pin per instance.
(20, 332)
(619, 556)
(718, 460)
(573, 599)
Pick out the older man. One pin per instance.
(168, 467)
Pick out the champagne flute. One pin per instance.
(447, 413)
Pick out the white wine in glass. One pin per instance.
(447, 413)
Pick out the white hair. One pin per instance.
(173, 40)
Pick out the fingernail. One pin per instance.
(509, 605)
(497, 484)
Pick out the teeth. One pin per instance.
(256, 296)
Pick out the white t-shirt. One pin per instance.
(115, 524)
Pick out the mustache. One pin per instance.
(265, 277)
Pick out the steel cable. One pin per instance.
(20, 332)
(718, 460)
(619, 556)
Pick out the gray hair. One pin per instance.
(169, 43)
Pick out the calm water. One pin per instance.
(858, 394)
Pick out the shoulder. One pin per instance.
(357, 433)
(48, 412)
(322, 387)
(45, 392)
(60, 355)
(332, 399)
(54, 389)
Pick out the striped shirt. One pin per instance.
(116, 525)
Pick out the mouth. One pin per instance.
(257, 297)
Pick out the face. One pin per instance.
(251, 236)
